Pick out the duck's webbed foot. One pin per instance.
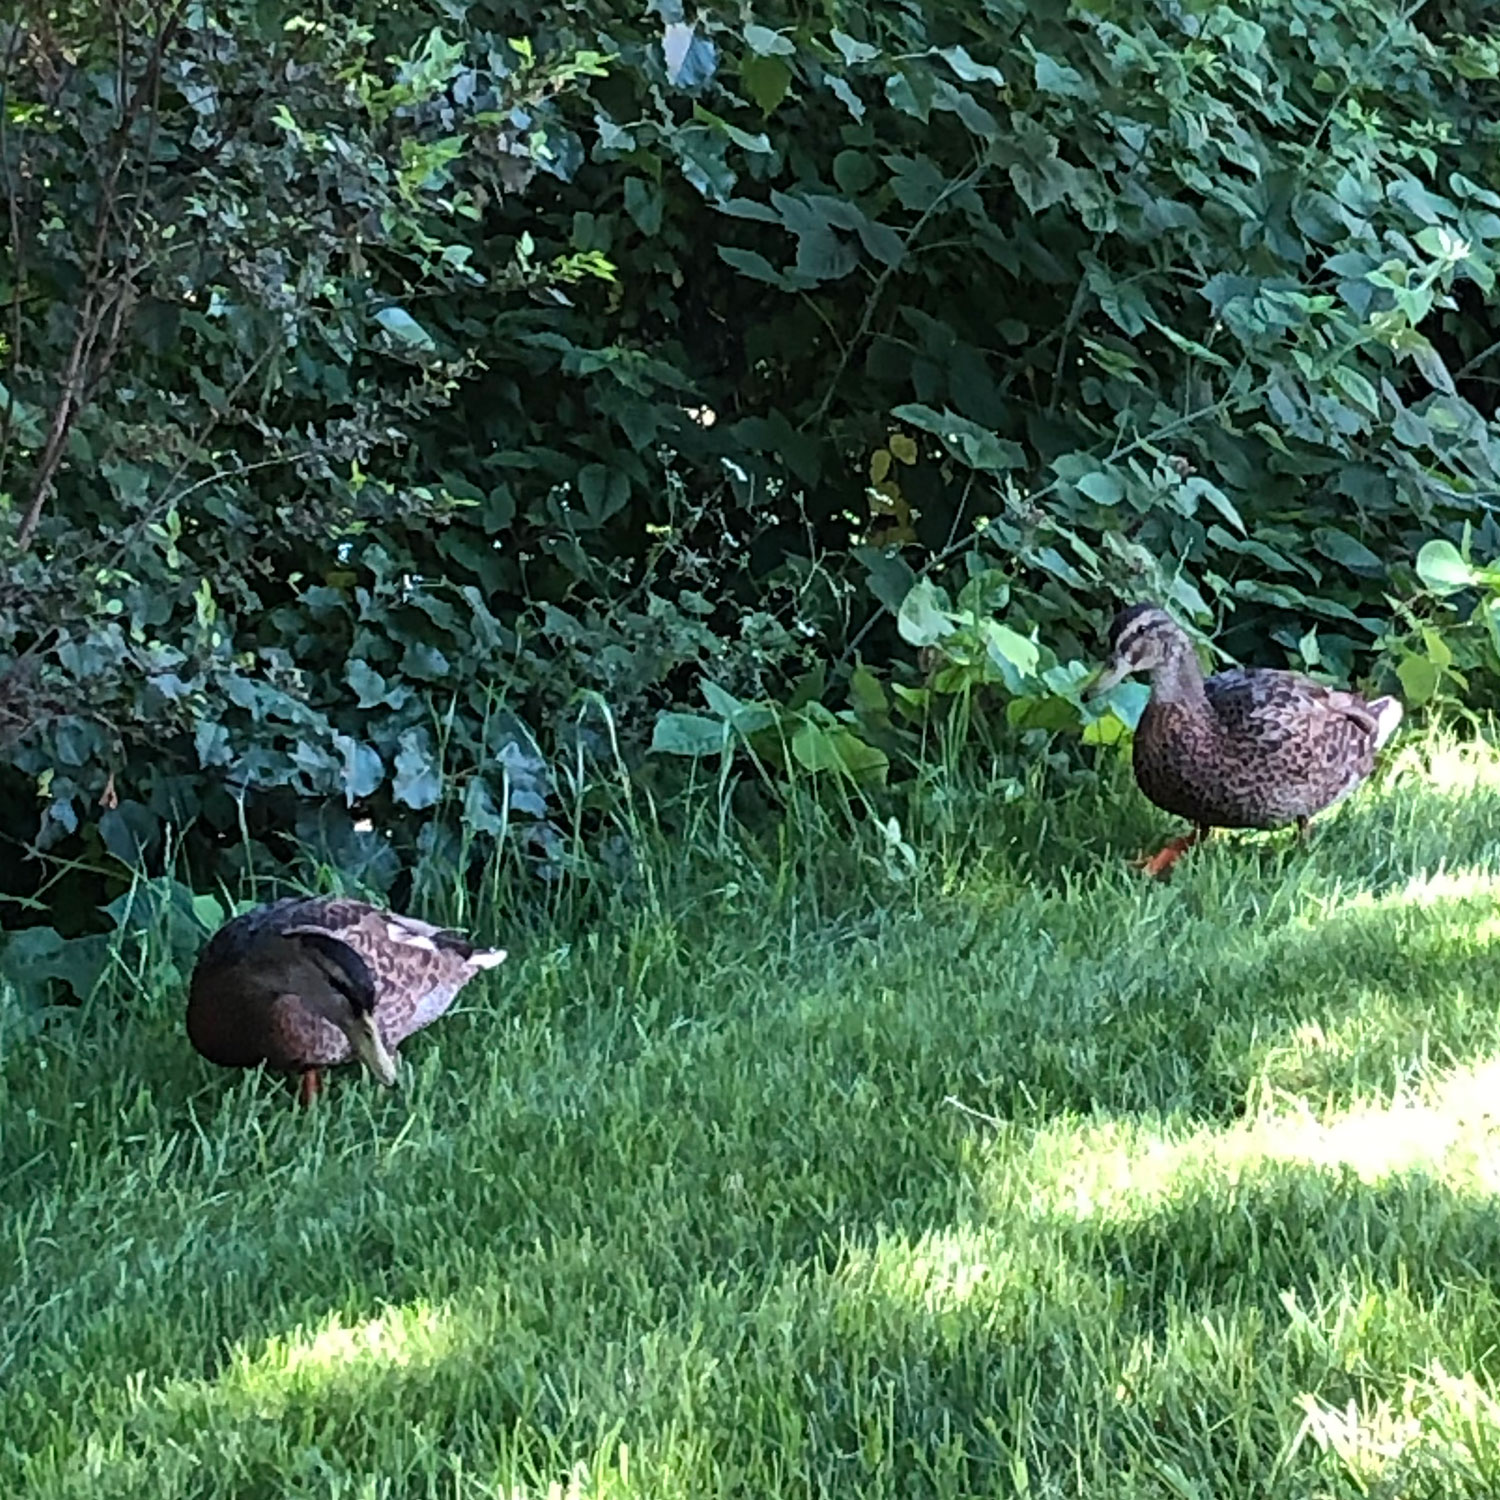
(309, 1086)
(1157, 865)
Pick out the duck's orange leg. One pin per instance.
(309, 1088)
(1157, 865)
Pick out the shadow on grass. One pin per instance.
(630, 1191)
(1044, 1352)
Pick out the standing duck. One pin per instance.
(307, 983)
(1249, 748)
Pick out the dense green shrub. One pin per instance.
(385, 398)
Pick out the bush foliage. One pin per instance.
(400, 412)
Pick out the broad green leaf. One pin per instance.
(1357, 389)
(401, 325)
(424, 661)
(691, 59)
(480, 812)
(689, 734)
(130, 832)
(1198, 488)
(1011, 647)
(1348, 550)
(753, 264)
(363, 769)
(854, 52)
(766, 80)
(1190, 346)
(643, 202)
(1442, 568)
(923, 618)
(888, 575)
(418, 779)
(743, 718)
(1419, 678)
(975, 445)
(819, 747)
(1102, 487)
(603, 491)
(768, 43)
(866, 694)
(970, 71)
(1053, 77)
(1431, 364)
(854, 172)
(209, 912)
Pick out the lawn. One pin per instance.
(1013, 1175)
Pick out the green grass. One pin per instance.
(1018, 1177)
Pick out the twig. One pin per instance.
(17, 245)
(108, 298)
(1150, 440)
(876, 291)
(994, 1121)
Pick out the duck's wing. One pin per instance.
(418, 968)
(1263, 704)
(237, 939)
(363, 925)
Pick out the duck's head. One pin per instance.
(1141, 639)
(341, 988)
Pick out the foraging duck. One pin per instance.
(1252, 747)
(308, 983)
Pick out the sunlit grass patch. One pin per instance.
(1008, 1173)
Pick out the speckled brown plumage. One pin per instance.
(1248, 748)
(286, 984)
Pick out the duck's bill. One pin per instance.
(1115, 672)
(364, 1038)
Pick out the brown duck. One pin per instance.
(308, 983)
(1248, 748)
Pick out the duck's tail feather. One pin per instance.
(1387, 713)
(487, 958)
